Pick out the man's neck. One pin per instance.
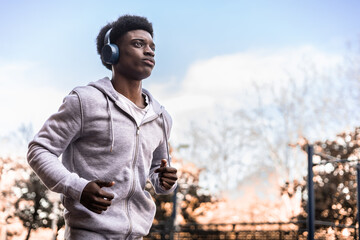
(131, 89)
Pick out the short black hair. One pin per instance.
(119, 27)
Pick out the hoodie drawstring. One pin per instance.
(113, 137)
(166, 140)
(111, 124)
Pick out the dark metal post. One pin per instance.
(311, 195)
(358, 197)
(173, 214)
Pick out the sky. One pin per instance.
(207, 52)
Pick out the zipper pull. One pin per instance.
(137, 131)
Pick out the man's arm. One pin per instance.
(51, 141)
(57, 133)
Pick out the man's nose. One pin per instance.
(149, 51)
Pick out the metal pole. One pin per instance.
(173, 214)
(54, 222)
(311, 195)
(358, 197)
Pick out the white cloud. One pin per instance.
(23, 99)
(28, 105)
(25, 96)
(227, 81)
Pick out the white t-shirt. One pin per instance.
(137, 113)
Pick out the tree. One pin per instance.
(10, 171)
(334, 183)
(190, 196)
(220, 147)
(33, 206)
(312, 103)
(23, 196)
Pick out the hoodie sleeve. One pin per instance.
(161, 152)
(56, 134)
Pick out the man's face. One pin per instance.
(136, 59)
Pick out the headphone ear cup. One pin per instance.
(110, 53)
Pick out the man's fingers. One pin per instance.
(104, 194)
(95, 210)
(166, 185)
(104, 184)
(169, 176)
(162, 166)
(95, 198)
(102, 202)
(163, 163)
(166, 169)
(169, 180)
(99, 207)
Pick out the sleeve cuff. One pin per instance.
(76, 187)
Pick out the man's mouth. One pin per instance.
(149, 61)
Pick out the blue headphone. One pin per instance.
(110, 51)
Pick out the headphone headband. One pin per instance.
(107, 37)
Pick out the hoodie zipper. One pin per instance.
(132, 189)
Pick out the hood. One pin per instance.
(105, 86)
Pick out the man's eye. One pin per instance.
(138, 44)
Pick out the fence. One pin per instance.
(260, 230)
(270, 231)
(257, 230)
(311, 194)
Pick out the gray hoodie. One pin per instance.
(98, 139)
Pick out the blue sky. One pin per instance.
(48, 46)
(60, 36)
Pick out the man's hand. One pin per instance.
(167, 175)
(94, 198)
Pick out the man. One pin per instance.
(112, 135)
